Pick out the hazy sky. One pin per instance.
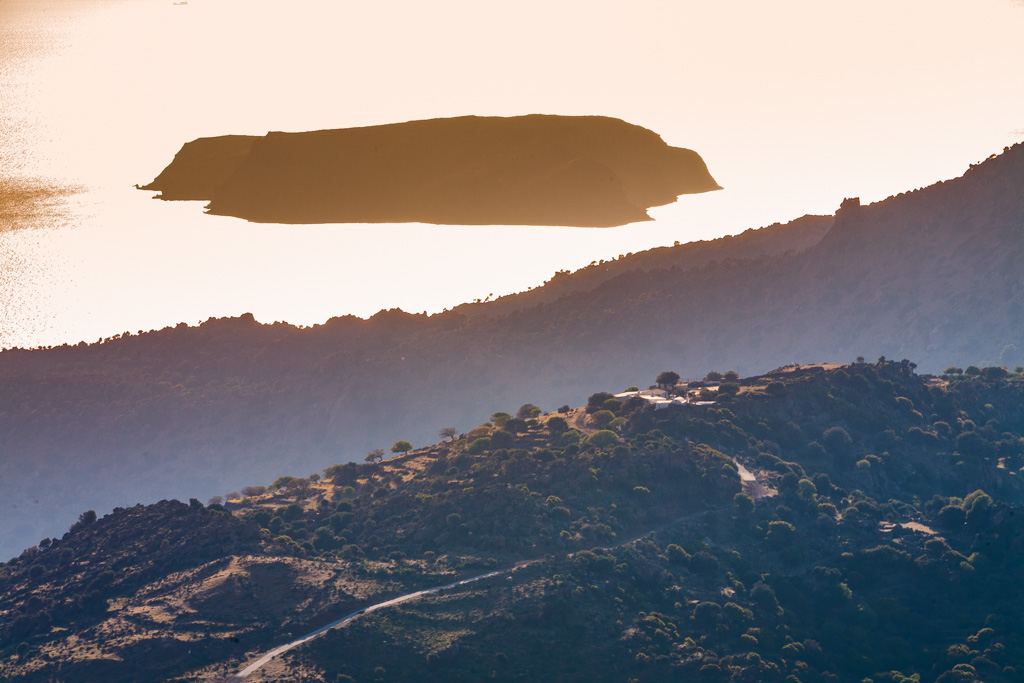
(730, 79)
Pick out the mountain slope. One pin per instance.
(929, 275)
(889, 543)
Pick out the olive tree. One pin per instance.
(667, 380)
(401, 447)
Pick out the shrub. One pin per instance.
(528, 410)
(703, 562)
(612, 404)
(744, 503)
(501, 439)
(676, 554)
(837, 439)
(603, 438)
(807, 490)
(707, 613)
(480, 445)
(499, 419)
(557, 425)
(780, 534)
(595, 401)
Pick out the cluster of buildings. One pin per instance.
(660, 398)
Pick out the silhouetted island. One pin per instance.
(585, 171)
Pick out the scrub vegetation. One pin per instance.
(879, 541)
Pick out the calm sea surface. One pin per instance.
(793, 108)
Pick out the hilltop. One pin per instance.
(880, 542)
(587, 171)
(931, 274)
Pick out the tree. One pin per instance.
(837, 440)
(376, 454)
(667, 380)
(994, 372)
(480, 445)
(283, 482)
(780, 534)
(728, 389)
(528, 410)
(448, 433)
(499, 419)
(744, 504)
(516, 425)
(596, 401)
(603, 438)
(952, 517)
(807, 490)
(707, 613)
(401, 447)
(612, 404)
(557, 425)
(501, 438)
(713, 376)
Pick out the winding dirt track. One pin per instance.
(756, 489)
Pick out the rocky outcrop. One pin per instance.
(586, 171)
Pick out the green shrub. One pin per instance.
(480, 445)
(603, 438)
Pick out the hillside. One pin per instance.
(587, 171)
(932, 275)
(772, 240)
(881, 544)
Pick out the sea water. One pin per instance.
(793, 107)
